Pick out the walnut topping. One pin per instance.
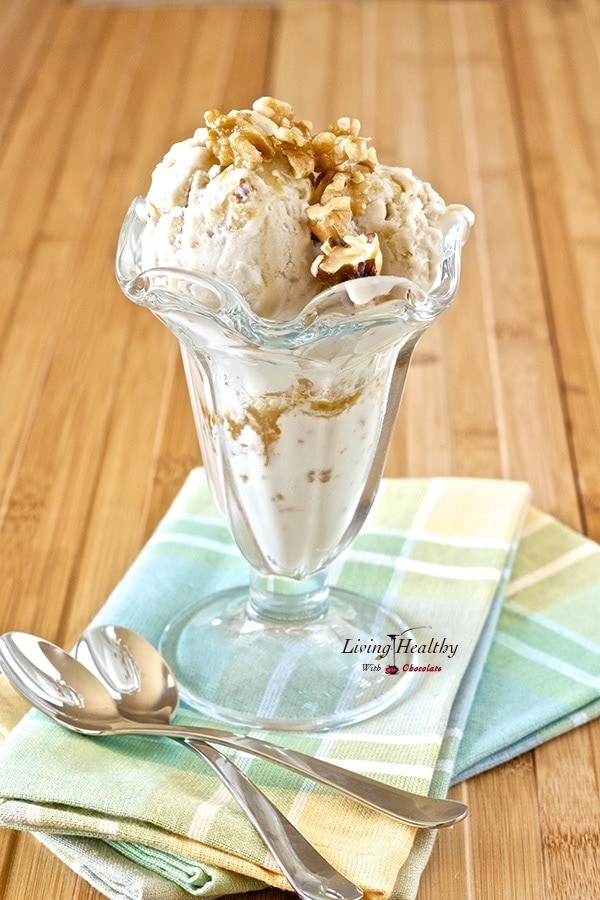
(338, 198)
(354, 256)
(274, 109)
(341, 148)
(342, 157)
(244, 138)
(332, 219)
(336, 160)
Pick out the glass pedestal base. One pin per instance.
(243, 668)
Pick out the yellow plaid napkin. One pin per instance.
(141, 818)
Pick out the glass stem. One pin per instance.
(284, 599)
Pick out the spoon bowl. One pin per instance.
(57, 684)
(134, 672)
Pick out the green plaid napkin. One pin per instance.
(142, 819)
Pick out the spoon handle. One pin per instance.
(412, 809)
(311, 876)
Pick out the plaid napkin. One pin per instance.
(141, 818)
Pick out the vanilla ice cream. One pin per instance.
(259, 200)
(294, 423)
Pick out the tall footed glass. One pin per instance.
(294, 421)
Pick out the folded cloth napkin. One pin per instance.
(141, 818)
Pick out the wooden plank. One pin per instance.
(25, 28)
(451, 430)
(567, 775)
(557, 70)
(132, 353)
(52, 462)
(34, 151)
(448, 873)
(8, 846)
(528, 408)
(506, 849)
(35, 258)
(46, 875)
(472, 148)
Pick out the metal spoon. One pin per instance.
(61, 686)
(145, 690)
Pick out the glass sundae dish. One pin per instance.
(298, 275)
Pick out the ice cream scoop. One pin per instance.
(259, 200)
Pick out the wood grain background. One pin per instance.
(497, 102)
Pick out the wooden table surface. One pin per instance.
(497, 103)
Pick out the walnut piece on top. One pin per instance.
(244, 138)
(355, 256)
(336, 161)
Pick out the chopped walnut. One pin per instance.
(244, 138)
(342, 157)
(341, 148)
(354, 256)
(351, 183)
(330, 219)
(336, 160)
(274, 109)
(330, 189)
